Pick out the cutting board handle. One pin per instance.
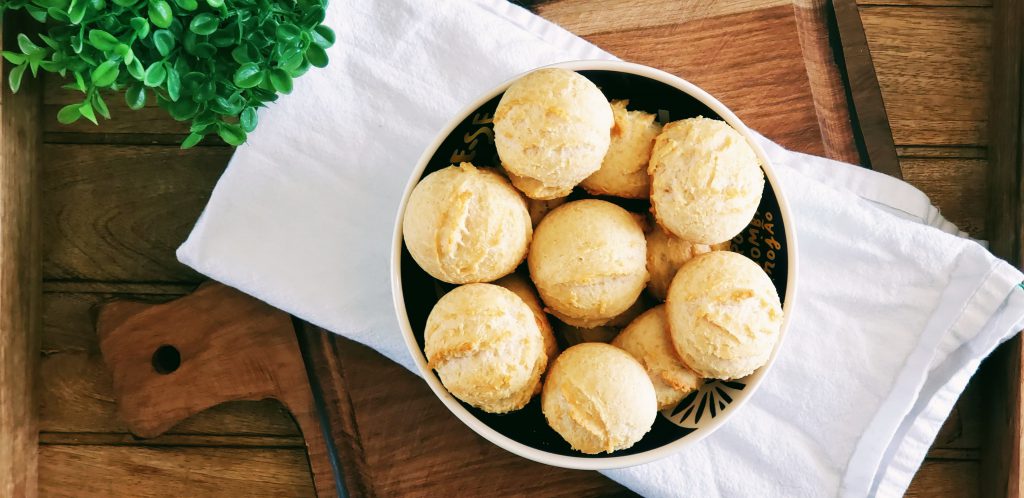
(173, 360)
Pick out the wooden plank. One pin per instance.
(19, 278)
(933, 68)
(1004, 371)
(601, 16)
(76, 394)
(929, 152)
(170, 440)
(112, 216)
(956, 186)
(775, 95)
(834, 113)
(97, 471)
(946, 479)
(223, 346)
(921, 3)
(874, 140)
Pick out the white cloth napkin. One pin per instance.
(894, 308)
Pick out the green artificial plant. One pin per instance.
(210, 62)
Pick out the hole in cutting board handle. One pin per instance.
(166, 359)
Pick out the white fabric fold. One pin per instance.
(894, 309)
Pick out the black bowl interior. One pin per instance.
(764, 241)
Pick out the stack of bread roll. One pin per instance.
(707, 313)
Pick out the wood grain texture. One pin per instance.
(227, 346)
(874, 140)
(109, 471)
(762, 79)
(957, 186)
(600, 16)
(19, 279)
(124, 256)
(946, 480)
(928, 3)
(933, 68)
(1004, 371)
(76, 394)
(815, 26)
(117, 213)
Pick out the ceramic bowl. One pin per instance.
(769, 240)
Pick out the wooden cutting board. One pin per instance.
(780, 67)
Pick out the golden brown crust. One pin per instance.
(588, 261)
(466, 224)
(551, 129)
(724, 315)
(706, 181)
(598, 398)
(486, 347)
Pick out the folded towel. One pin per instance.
(894, 308)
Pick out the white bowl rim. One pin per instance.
(590, 462)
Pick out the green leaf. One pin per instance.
(85, 108)
(140, 25)
(125, 3)
(203, 24)
(215, 3)
(299, 71)
(205, 91)
(50, 42)
(102, 40)
(323, 36)
(191, 140)
(173, 84)
(188, 5)
(248, 119)
(232, 134)
(204, 51)
(79, 82)
(191, 81)
(223, 38)
(163, 40)
(182, 109)
(248, 75)
(287, 33)
(281, 80)
(97, 5)
(160, 13)
(155, 74)
(316, 56)
(100, 105)
(76, 12)
(14, 57)
(125, 52)
(135, 97)
(68, 114)
(37, 13)
(76, 44)
(313, 16)
(105, 74)
(58, 15)
(26, 45)
(241, 54)
(136, 70)
(15, 77)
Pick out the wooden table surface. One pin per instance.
(110, 227)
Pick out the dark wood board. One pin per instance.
(1003, 372)
(20, 294)
(785, 81)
